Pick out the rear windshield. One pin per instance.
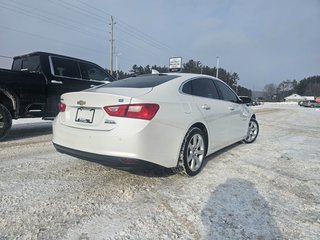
(147, 81)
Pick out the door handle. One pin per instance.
(56, 82)
(231, 108)
(93, 85)
(205, 107)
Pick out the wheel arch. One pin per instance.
(10, 101)
(203, 128)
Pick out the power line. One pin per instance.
(149, 43)
(46, 19)
(141, 35)
(132, 31)
(78, 9)
(2, 56)
(99, 18)
(54, 40)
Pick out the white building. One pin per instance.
(296, 98)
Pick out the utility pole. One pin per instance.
(217, 73)
(117, 65)
(111, 45)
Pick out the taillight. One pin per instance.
(62, 106)
(140, 111)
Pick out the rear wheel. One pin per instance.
(253, 131)
(5, 121)
(192, 152)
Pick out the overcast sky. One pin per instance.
(263, 41)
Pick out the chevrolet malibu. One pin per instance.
(173, 120)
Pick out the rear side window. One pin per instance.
(30, 64)
(16, 64)
(147, 81)
(65, 67)
(202, 87)
(226, 92)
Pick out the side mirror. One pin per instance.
(245, 100)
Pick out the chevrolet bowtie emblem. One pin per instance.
(81, 102)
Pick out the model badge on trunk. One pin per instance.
(81, 102)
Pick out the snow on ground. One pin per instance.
(265, 190)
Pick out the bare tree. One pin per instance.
(270, 91)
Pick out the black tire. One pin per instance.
(253, 131)
(192, 153)
(5, 121)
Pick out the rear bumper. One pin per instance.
(103, 159)
(156, 143)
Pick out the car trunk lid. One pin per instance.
(86, 109)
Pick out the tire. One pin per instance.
(192, 153)
(253, 131)
(5, 121)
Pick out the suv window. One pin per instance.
(65, 67)
(202, 87)
(92, 72)
(31, 64)
(226, 92)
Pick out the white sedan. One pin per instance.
(173, 120)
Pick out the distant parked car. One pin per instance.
(310, 103)
(173, 120)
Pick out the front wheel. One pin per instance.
(253, 131)
(192, 152)
(5, 121)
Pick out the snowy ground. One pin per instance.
(267, 190)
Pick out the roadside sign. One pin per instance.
(175, 64)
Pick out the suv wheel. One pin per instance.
(5, 121)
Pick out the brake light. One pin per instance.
(140, 111)
(62, 106)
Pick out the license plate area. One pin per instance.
(85, 115)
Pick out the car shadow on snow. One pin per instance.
(153, 170)
(144, 169)
(147, 169)
(22, 131)
(213, 156)
(236, 210)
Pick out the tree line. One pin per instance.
(306, 87)
(230, 78)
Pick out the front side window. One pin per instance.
(202, 87)
(92, 72)
(226, 92)
(65, 67)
